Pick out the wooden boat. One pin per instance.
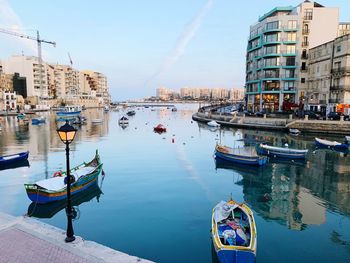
(50, 209)
(13, 158)
(160, 128)
(131, 113)
(233, 232)
(239, 155)
(55, 189)
(294, 131)
(282, 152)
(331, 144)
(96, 121)
(123, 120)
(69, 111)
(39, 120)
(213, 124)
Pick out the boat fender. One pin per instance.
(57, 174)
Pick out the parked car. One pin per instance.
(312, 115)
(336, 116)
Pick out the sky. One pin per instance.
(141, 45)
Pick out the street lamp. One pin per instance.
(67, 134)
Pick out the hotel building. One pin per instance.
(277, 53)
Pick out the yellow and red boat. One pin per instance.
(234, 232)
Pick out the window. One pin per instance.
(308, 14)
(292, 24)
(290, 61)
(272, 49)
(339, 48)
(272, 38)
(272, 25)
(291, 49)
(303, 66)
(291, 36)
(305, 28)
(289, 85)
(272, 62)
(289, 73)
(302, 80)
(337, 65)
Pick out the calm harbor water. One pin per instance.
(157, 196)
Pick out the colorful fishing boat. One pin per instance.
(69, 111)
(246, 155)
(55, 188)
(331, 144)
(50, 209)
(160, 128)
(13, 158)
(282, 152)
(234, 232)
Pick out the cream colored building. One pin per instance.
(28, 67)
(98, 83)
(329, 75)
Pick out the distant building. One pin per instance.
(236, 94)
(277, 53)
(10, 100)
(6, 82)
(344, 29)
(98, 83)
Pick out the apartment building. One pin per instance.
(277, 53)
(329, 75)
(98, 83)
(29, 67)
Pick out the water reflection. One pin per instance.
(50, 209)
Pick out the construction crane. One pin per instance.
(39, 41)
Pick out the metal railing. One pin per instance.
(304, 43)
(340, 87)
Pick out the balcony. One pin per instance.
(306, 31)
(340, 88)
(341, 70)
(305, 43)
(304, 56)
(308, 17)
(322, 101)
(333, 100)
(268, 75)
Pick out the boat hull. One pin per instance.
(234, 256)
(13, 158)
(340, 147)
(68, 114)
(241, 159)
(278, 154)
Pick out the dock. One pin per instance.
(24, 239)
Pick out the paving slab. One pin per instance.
(24, 239)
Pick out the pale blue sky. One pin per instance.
(130, 41)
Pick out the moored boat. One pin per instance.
(69, 111)
(174, 109)
(234, 232)
(39, 120)
(245, 155)
(55, 188)
(106, 109)
(294, 131)
(213, 124)
(347, 139)
(331, 144)
(160, 128)
(13, 158)
(131, 113)
(282, 152)
(123, 120)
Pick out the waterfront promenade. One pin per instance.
(24, 239)
(277, 124)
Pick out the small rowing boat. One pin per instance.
(282, 152)
(246, 155)
(233, 232)
(159, 128)
(55, 188)
(331, 144)
(13, 158)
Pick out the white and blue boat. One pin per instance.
(234, 232)
(282, 152)
(69, 111)
(36, 121)
(11, 159)
(246, 155)
(331, 144)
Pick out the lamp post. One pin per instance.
(67, 133)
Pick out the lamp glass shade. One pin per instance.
(67, 133)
